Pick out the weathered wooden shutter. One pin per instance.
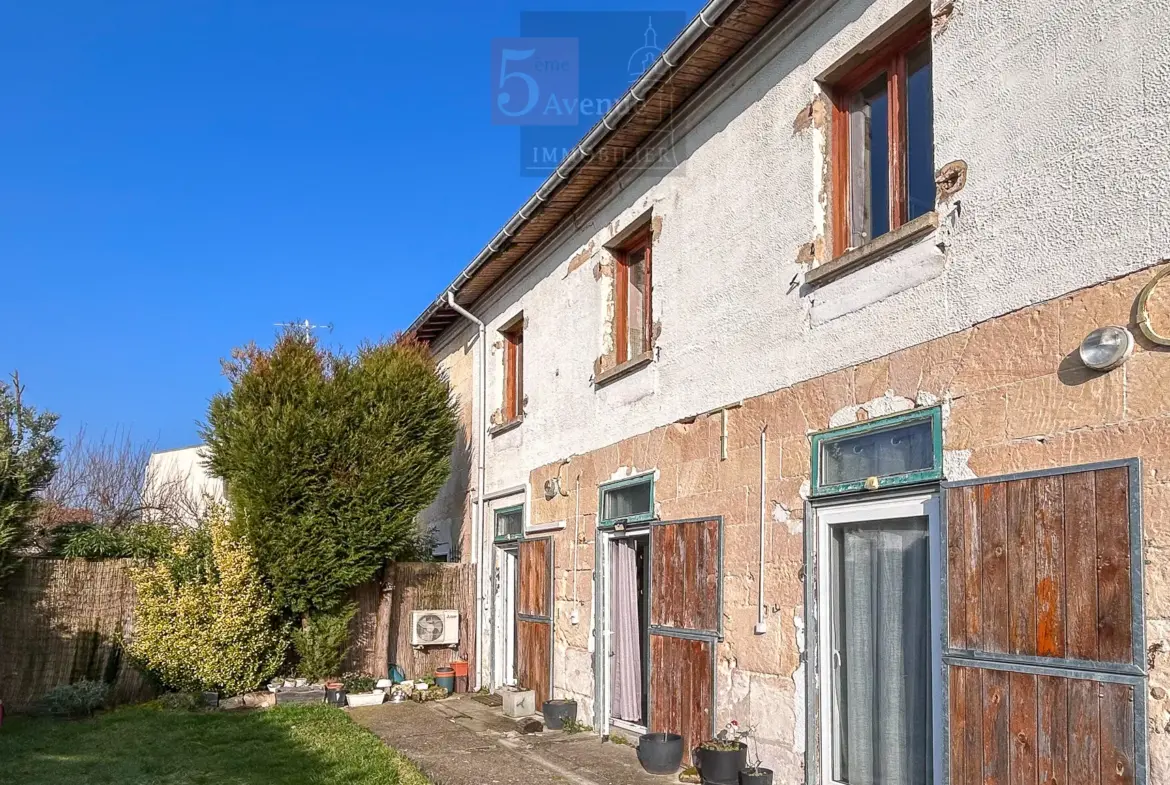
(686, 623)
(534, 618)
(1044, 649)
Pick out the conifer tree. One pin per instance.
(328, 458)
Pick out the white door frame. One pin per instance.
(889, 508)
(603, 677)
(506, 558)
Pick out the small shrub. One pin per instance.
(80, 699)
(720, 745)
(358, 682)
(179, 701)
(207, 622)
(573, 726)
(86, 541)
(323, 642)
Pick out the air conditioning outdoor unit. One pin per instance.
(434, 628)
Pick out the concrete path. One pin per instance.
(461, 742)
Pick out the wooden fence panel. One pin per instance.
(60, 621)
(430, 586)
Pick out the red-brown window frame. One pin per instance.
(891, 58)
(622, 295)
(513, 370)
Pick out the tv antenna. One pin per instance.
(304, 328)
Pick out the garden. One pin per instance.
(327, 457)
(155, 744)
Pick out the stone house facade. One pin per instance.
(671, 373)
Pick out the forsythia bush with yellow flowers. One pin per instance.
(204, 620)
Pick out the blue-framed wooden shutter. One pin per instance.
(686, 624)
(534, 617)
(1045, 671)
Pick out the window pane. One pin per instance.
(510, 523)
(881, 673)
(636, 294)
(869, 157)
(896, 450)
(628, 501)
(919, 131)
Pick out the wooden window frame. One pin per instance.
(891, 58)
(622, 296)
(513, 370)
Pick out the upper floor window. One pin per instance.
(632, 322)
(883, 141)
(513, 370)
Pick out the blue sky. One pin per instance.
(177, 176)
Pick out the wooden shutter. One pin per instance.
(534, 618)
(686, 621)
(1044, 655)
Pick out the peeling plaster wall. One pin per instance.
(1062, 132)
(1012, 400)
(1064, 137)
(448, 517)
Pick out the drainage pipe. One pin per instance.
(478, 518)
(576, 536)
(761, 625)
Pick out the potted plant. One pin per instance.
(721, 758)
(660, 753)
(754, 773)
(557, 711)
(359, 690)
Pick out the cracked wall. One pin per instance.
(1012, 401)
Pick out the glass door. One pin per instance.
(881, 594)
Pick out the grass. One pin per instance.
(147, 745)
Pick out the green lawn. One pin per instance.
(306, 745)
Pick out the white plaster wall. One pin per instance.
(1061, 111)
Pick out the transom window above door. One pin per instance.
(627, 501)
(510, 523)
(883, 141)
(886, 452)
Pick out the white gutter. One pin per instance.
(658, 73)
(478, 518)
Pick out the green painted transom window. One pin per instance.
(627, 501)
(510, 523)
(901, 449)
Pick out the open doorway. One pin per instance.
(504, 634)
(627, 629)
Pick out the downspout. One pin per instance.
(761, 625)
(478, 518)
